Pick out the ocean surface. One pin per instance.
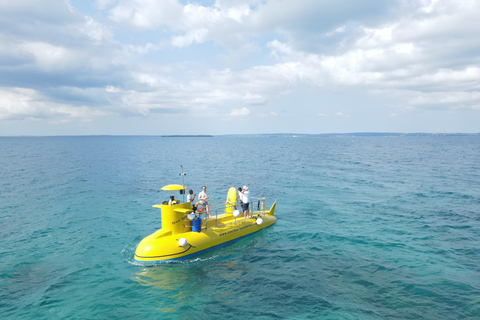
(368, 228)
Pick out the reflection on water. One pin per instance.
(212, 275)
(163, 277)
(177, 285)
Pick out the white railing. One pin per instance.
(219, 207)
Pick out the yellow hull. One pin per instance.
(163, 245)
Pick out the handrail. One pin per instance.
(218, 207)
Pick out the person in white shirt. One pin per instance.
(246, 201)
(191, 197)
(240, 197)
(203, 199)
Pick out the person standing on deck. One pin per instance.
(240, 197)
(203, 199)
(191, 198)
(246, 202)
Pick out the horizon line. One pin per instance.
(365, 133)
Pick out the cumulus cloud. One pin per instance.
(240, 112)
(49, 57)
(149, 57)
(95, 31)
(253, 99)
(19, 103)
(147, 14)
(342, 114)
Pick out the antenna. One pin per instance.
(183, 174)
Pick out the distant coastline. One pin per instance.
(276, 135)
(187, 136)
(354, 134)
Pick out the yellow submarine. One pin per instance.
(187, 232)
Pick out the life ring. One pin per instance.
(200, 210)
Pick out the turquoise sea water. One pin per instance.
(368, 228)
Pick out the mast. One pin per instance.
(183, 174)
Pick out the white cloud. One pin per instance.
(198, 36)
(95, 30)
(16, 102)
(454, 99)
(278, 48)
(240, 112)
(112, 89)
(252, 99)
(50, 57)
(103, 4)
(146, 14)
(239, 13)
(20, 103)
(146, 57)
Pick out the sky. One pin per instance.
(168, 67)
